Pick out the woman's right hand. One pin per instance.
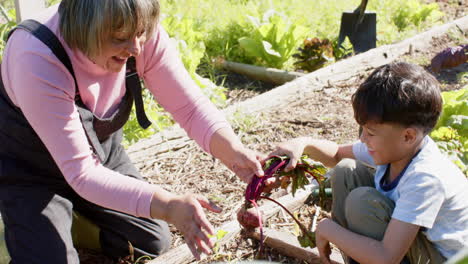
(293, 148)
(186, 213)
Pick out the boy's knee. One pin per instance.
(368, 212)
(341, 170)
(361, 198)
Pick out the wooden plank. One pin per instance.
(182, 254)
(28, 8)
(288, 245)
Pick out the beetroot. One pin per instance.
(249, 217)
(256, 186)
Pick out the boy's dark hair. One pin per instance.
(399, 93)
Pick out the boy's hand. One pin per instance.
(293, 148)
(323, 245)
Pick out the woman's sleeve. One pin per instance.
(44, 90)
(171, 84)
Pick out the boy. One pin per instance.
(414, 206)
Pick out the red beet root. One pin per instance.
(248, 218)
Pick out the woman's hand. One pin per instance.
(323, 245)
(293, 148)
(231, 152)
(186, 213)
(246, 163)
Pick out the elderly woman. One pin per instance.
(61, 114)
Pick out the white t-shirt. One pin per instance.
(431, 192)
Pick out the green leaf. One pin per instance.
(307, 240)
(459, 122)
(269, 49)
(252, 47)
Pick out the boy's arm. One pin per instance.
(396, 242)
(327, 152)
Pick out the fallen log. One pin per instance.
(270, 75)
(182, 254)
(288, 245)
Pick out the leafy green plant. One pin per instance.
(188, 40)
(52, 2)
(243, 122)
(314, 54)
(273, 39)
(451, 131)
(158, 117)
(414, 13)
(10, 17)
(462, 77)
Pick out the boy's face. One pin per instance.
(386, 142)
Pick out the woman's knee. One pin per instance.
(147, 237)
(164, 239)
(156, 241)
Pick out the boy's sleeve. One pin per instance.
(421, 198)
(362, 154)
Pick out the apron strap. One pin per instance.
(132, 81)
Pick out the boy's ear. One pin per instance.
(410, 135)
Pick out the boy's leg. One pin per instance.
(37, 226)
(345, 177)
(368, 213)
(423, 251)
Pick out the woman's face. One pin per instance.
(118, 49)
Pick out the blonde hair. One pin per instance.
(87, 24)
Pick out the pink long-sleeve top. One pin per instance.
(40, 85)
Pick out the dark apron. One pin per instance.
(28, 171)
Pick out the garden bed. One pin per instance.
(315, 105)
(323, 111)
